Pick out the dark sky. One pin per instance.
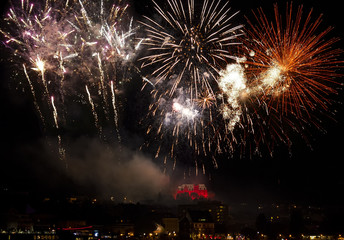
(308, 175)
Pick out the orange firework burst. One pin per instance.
(293, 67)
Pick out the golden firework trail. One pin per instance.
(95, 115)
(33, 94)
(115, 111)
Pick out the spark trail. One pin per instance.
(95, 115)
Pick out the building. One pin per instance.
(218, 211)
(196, 225)
(193, 191)
(171, 225)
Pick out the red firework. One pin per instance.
(292, 66)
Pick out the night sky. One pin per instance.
(309, 175)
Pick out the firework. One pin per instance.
(291, 63)
(232, 83)
(185, 48)
(283, 81)
(95, 115)
(67, 46)
(185, 52)
(206, 97)
(103, 48)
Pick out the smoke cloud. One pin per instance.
(111, 171)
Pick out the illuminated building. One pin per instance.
(193, 191)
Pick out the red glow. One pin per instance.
(195, 191)
(79, 228)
